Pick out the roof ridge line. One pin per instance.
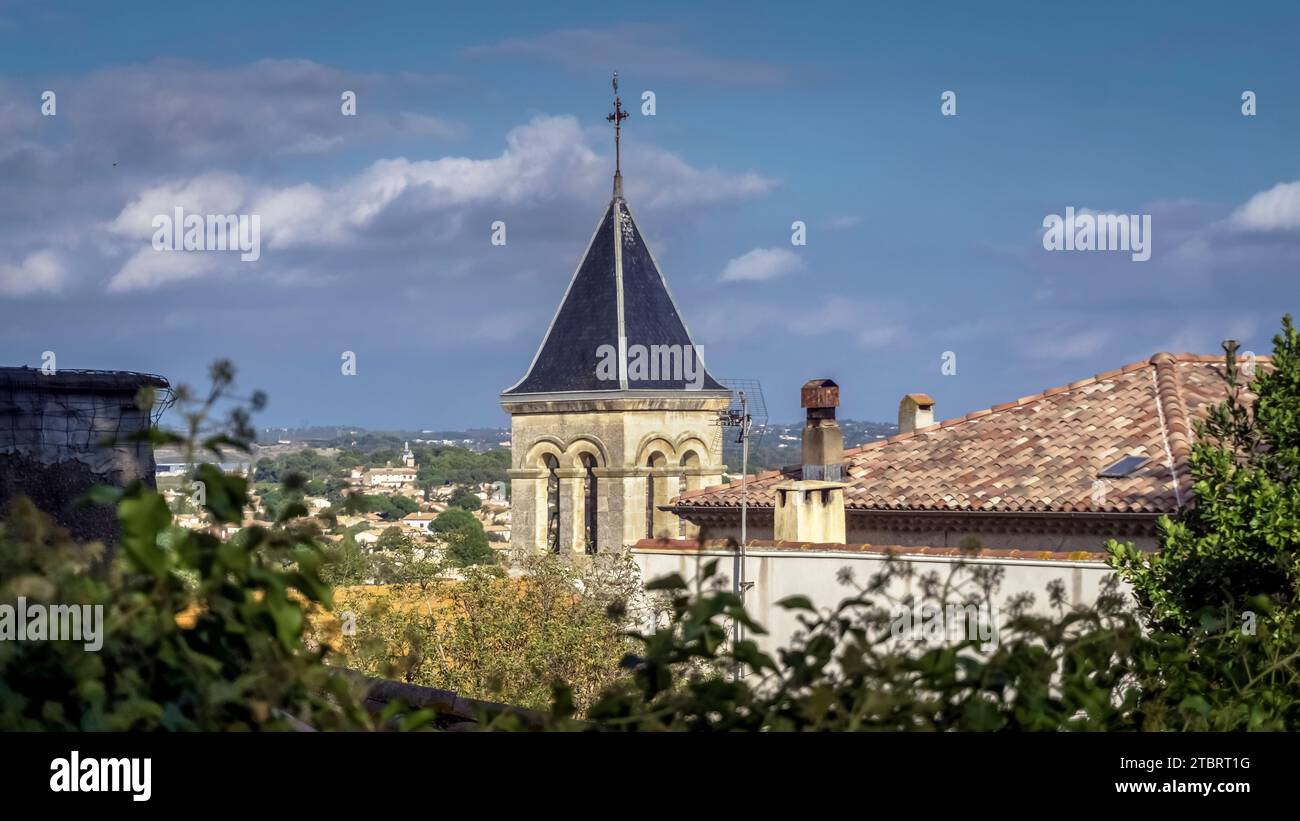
(1024, 400)
(616, 204)
(1164, 437)
(1160, 361)
(663, 280)
(1176, 424)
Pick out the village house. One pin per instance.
(420, 521)
(386, 478)
(1061, 470)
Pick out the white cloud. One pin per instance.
(845, 222)
(762, 264)
(1276, 209)
(41, 272)
(546, 162)
(213, 193)
(545, 157)
(148, 268)
(660, 179)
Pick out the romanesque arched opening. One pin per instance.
(552, 466)
(689, 480)
(589, 503)
(656, 492)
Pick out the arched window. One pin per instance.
(689, 460)
(552, 502)
(589, 501)
(654, 488)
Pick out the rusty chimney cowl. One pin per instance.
(823, 441)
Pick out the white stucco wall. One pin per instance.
(780, 573)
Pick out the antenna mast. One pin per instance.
(740, 419)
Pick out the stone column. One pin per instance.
(527, 509)
(622, 520)
(666, 481)
(696, 478)
(571, 509)
(611, 513)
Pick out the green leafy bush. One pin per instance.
(504, 637)
(1237, 548)
(200, 633)
(1092, 668)
(467, 542)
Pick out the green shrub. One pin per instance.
(1074, 669)
(198, 633)
(1239, 543)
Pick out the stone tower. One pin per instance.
(616, 415)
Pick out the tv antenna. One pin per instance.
(729, 449)
(747, 414)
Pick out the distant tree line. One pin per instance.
(437, 465)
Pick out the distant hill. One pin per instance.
(780, 443)
(479, 440)
(777, 447)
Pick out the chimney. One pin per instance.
(915, 411)
(811, 509)
(823, 442)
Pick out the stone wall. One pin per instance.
(1062, 532)
(778, 570)
(53, 434)
(622, 435)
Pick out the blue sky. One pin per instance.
(924, 231)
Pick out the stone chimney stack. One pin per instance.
(811, 509)
(823, 441)
(915, 411)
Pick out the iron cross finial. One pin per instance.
(617, 117)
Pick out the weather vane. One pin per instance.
(617, 117)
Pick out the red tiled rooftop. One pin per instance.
(1040, 453)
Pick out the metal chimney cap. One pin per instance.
(819, 393)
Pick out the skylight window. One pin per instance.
(1123, 467)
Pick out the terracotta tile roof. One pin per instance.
(1040, 453)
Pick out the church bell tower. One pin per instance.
(617, 413)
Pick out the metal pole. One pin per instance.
(739, 575)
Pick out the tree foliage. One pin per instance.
(1090, 668)
(392, 507)
(507, 638)
(467, 500)
(467, 542)
(1239, 543)
(199, 633)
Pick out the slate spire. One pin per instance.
(617, 328)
